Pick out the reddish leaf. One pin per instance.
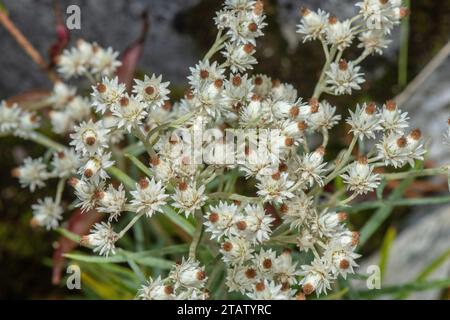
(29, 97)
(79, 223)
(132, 54)
(62, 37)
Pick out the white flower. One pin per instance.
(188, 198)
(188, 274)
(90, 138)
(269, 290)
(129, 112)
(296, 210)
(344, 77)
(392, 150)
(285, 270)
(393, 119)
(341, 258)
(236, 251)
(414, 146)
(382, 15)
(107, 94)
(9, 117)
(149, 196)
(65, 163)
(239, 57)
(339, 34)
(360, 177)
(373, 41)
(220, 220)
(156, 290)
(112, 201)
(324, 118)
(104, 62)
(241, 278)
(47, 213)
(275, 188)
(311, 168)
(152, 90)
(313, 24)
(95, 166)
(257, 223)
(71, 63)
(32, 173)
(61, 95)
(246, 27)
(87, 192)
(317, 278)
(205, 72)
(328, 223)
(264, 261)
(365, 121)
(103, 238)
(28, 122)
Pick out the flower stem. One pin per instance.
(197, 235)
(130, 224)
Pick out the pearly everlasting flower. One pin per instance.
(189, 274)
(71, 63)
(104, 62)
(344, 77)
(205, 72)
(62, 95)
(311, 168)
(152, 91)
(107, 94)
(414, 146)
(257, 224)
(381, 15)
(32, 173)
(328, 223)
(296, 210)
(264, 261)
(317, 278)
(275, 188)
(9, 117)
(156, 290)
(245, 27)
(285, 269)
(373, 42)
(236, 251)
(392, 150)
(241, 278)
(393, 120)
(90, 138)
(112, 201)
(188, 198)
(340, 258)
(360, 177)
(266, 290)
(365, 121)
(103, 238)
(130, 113)
(325, 117)
(221, 219)
(339, 34)
(313, 24)
(28, 122)
(65, 163)
(95, 166)
(239, 57)
(149, 196)
(47, 213)
(87, 192)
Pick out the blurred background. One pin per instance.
(180, 31)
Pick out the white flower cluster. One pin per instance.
(88, 59)
(370, 26)
(286, 203)
(186, 281)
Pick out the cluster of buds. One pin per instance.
(287, 203)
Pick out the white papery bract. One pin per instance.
(189, 198)
(112, 201)
(32, 173)
(313, 24)
(90, 138)
(365, 121)
(103, 238)
(360, 177)
(149, 196)
(107, 94)
(65, 163)
(152, 91)
(47, 213)
(344, 77)
(155, 289)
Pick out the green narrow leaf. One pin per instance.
(448, 179)
(139, 164)
(336, 295)
(156, 262)
(180, 221)
(95, 259)
(69, 235)
(380, 189)
(385, 249)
